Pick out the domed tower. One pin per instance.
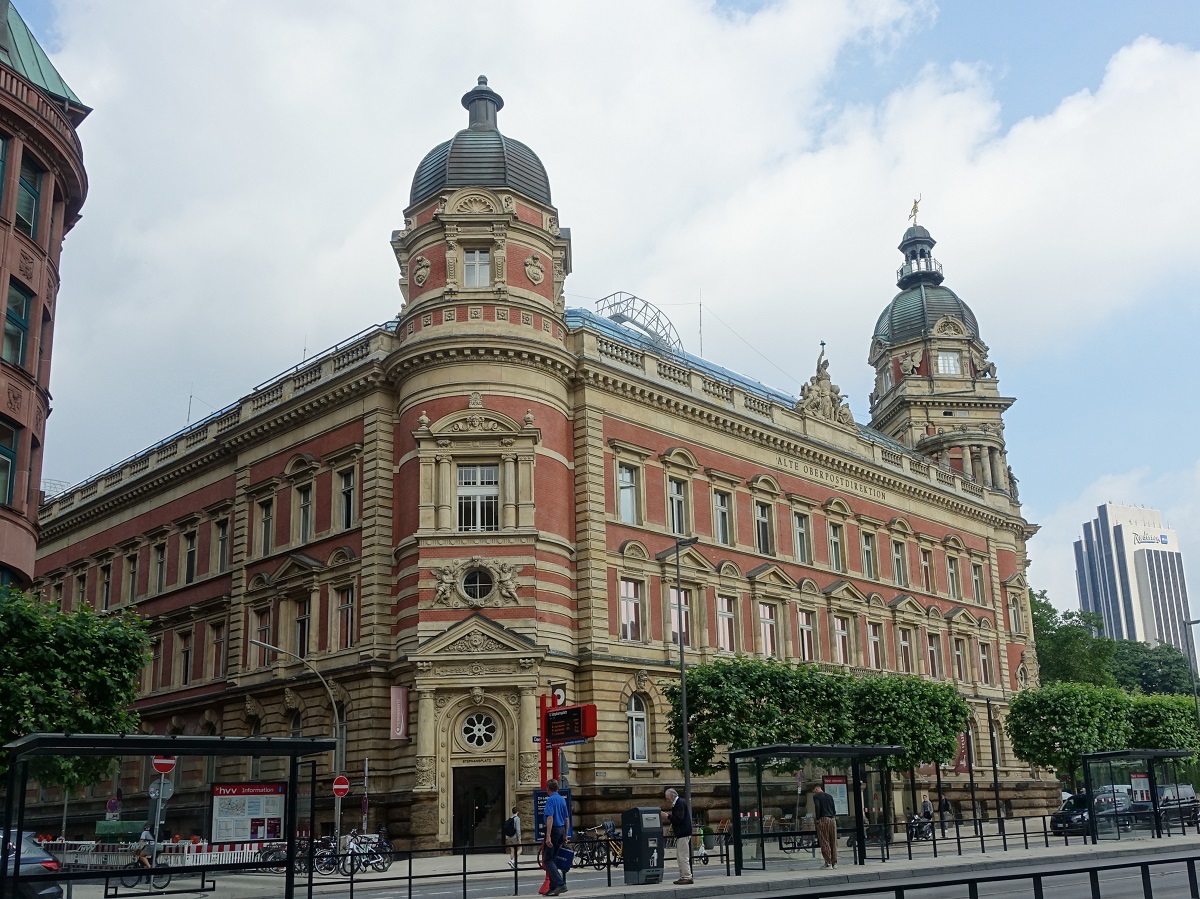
(42, 188)
(484, 489)
(935, 390)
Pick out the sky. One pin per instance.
(746, 166)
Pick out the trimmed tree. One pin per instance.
(1150, 669)
(900, 710)
(67, 672)
(1164, 722)
(1053, 726)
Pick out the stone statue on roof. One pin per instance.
(821, 398)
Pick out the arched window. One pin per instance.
(639, 740)
(296, 729)
(339, 753)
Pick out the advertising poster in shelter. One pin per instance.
(835, 786)
(247, 812)
(1140, 786)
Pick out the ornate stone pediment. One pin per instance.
(296, 565)
(770, 575)
(478, 645)
(845, 590)
(475, 421)
(949, 327)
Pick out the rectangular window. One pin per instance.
(8, 459)
(681, 606)
(875, 645)
(906, 650)
(346, 498)
(302, 627)
(16, 323)
(631, 610)
(977, 583)
(160, 567)
(105, 587)
(899, 566)
(836, 561)
(948, 363)
(800, 537)
(868, 556)
(155, 665)
(477, 269)
(185, 659)
(345, 617)
(304, 513)
(266, 526)
(927, 570)
(935, 655)
(725, 623)
(841, 639)
(677, 505)
(29, 197)
(131, 576)
(222, 544)
(217, 630)
(953, 580)
(762, 528)
(808, 642)
(80, 589)
(479, 497)
(263, 635)
(627, 493)
(189, 557)
(985, 662)
(722, 530)
(766, 630)
(961, 662)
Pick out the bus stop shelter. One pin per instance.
(21, 752)
(748, 790)
(1137, 794)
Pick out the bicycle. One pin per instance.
(135, 873)
(273, 857)
(361, 854)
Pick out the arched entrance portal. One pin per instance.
(478, 778)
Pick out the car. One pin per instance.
(1177, 806)
(1076, 812)
(1073, 817)
(34, 860)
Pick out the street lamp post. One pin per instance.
(1192, 667)
(337, 726)
(683, 709)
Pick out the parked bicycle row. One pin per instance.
(362, 853)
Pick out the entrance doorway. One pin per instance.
(478, 808)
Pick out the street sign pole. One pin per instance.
(364, 802)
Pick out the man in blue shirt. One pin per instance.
(558, 823)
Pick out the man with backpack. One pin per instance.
(512, 836)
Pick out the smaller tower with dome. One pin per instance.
(935, 389)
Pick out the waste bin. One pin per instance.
(642, 844)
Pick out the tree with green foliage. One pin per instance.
(900, 710)
(1054, 725)
(1164, 722)
(1150, 669)
(1069, 649)
(743, 702)
(67, 672)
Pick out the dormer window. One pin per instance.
(949, 363)
(477, 269)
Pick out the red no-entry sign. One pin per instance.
(163, 764)
(341, 786)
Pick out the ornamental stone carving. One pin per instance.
(254, 709)
(25, 266)
(475, 401)
(529, 767)
(475, 669)
(475, 203)
(821, 398)
(509, 204)
(911, 361)
(983, 368)
(425, 772)
(535, 269)
(420, 271)
(476, 423)
(477, 695)
(14, 398)
(476, 641)
(948, 327)
(290, 700)
(450, 590)
(642, 679)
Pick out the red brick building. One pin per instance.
(451, 513)
(42, 188)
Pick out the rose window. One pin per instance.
(479, 729)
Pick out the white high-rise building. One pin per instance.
(1129, 570)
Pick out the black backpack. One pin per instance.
(510, 827)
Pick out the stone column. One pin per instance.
(426, 778)
(968, 463)
(445, 493)
(985, 465)
(527, 759)
(508, 483)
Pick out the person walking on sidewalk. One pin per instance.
(825, 813)
(943, 811)
(679, 816)
(512, 836)
(558, 820)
